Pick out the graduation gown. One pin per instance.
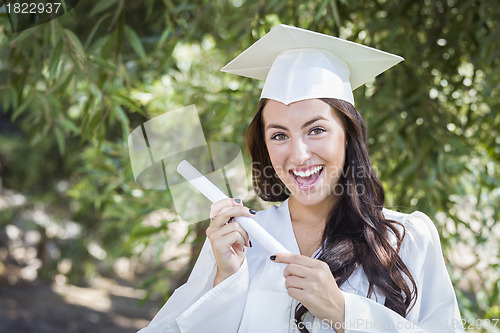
(255, 300)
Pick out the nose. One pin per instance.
(300, 151)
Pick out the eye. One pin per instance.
(278, 137)
(317, 130)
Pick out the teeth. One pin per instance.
(308, 172)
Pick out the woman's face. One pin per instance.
(306, 144)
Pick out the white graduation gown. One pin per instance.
(254, 299)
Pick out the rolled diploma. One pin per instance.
(209, 190)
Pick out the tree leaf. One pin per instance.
(20, 110)
(165, 34)
(135, 42)
(140, 231)
(62, 81)
(106, 65)
(55, 59)
(75, 45)
(102, 6)
(21, 37)
(61, 141)
(69, 125)
(128, 102)
(121, 115)
(321, 10)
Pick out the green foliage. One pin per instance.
(76, 86)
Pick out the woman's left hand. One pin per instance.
(311, 282)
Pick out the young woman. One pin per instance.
(354, 266)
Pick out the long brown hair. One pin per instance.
(356, 233)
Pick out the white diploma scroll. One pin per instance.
(209, 190)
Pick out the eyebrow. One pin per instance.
(308, 123)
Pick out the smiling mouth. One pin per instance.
(308, 178)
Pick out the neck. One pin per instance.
(310, 215)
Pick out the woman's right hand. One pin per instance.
(227, 237)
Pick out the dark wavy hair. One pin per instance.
(356, 232)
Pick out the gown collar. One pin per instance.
(357, 283)
(290, 241)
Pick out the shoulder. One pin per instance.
(417, 221)
(420, 233)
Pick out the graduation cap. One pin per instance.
(299, 64)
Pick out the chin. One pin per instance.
(312, 198)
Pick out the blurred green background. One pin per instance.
(73, 88)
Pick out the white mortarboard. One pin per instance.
(299, 64)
